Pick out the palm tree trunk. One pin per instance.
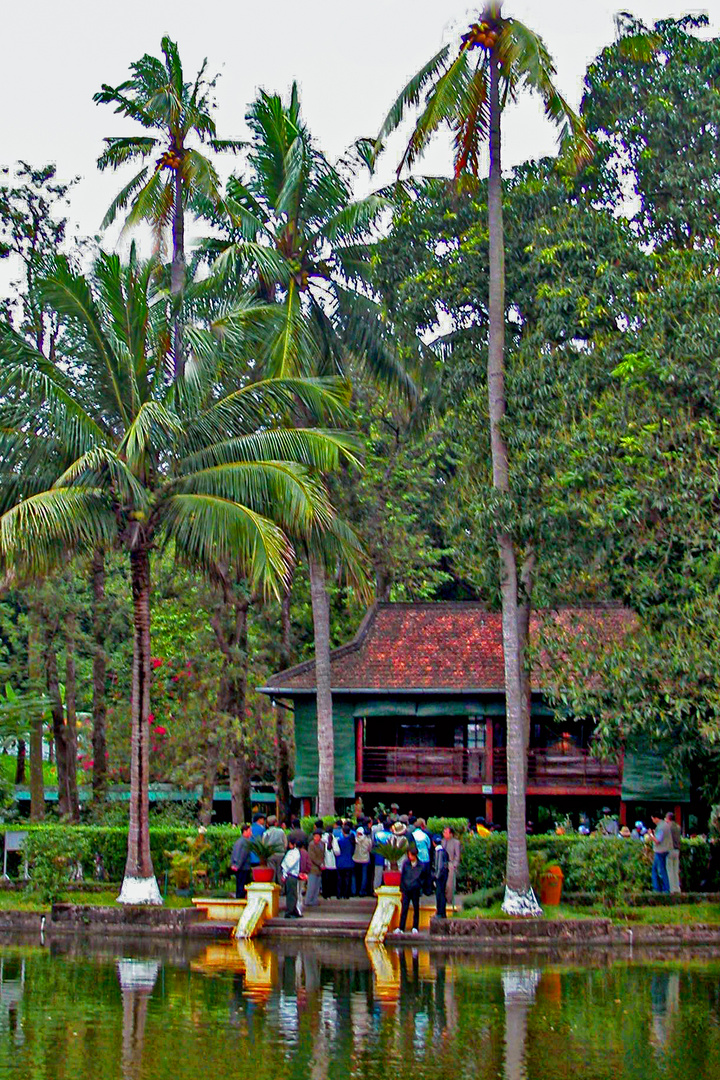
(37, 780)
(99, 742)
(57, 711)
(139, 884)
(325, 733)
(177, 272)
(232, 637)
(282, 754)
(519, 898)
(71, 718)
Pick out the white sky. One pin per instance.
(350, 58)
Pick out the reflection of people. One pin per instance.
(240, 862)
(673, 859)
(663, 842)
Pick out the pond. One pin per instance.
(140, 1010)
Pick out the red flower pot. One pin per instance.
(392, 877)
(265, 874)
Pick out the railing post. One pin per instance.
(359, 733)
(488, 762)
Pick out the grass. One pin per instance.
(8, 764)
(678, 914)
(12, 900)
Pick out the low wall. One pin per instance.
(538, 933)
(123, 919)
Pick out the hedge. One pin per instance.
(111, 843)
(590, 864)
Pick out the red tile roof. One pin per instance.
(443, 646)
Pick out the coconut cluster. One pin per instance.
(481, 35)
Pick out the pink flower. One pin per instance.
(151, 718)
(160, 730)
(157, 661)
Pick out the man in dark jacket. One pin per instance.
(411, 882)
(240, 862)
(442, 867)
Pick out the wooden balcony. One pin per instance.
(431, 766)
(572, 768)
(455, 770)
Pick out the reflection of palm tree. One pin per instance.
(519, 985)
(137, 981)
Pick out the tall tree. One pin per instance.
(154, 458)
(465, 87)
(295, 236)
(158, 98)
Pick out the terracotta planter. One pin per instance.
(392, 877)
(263, 874)
(551, 884)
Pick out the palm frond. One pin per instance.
(287, 492)
(71, 295)
(102, 469)
(317, 448)
(123, 197)
(262, 404)
(120, 149)
(39, 532)
(409, 97)
(443, 106)
(207, 529)
(153, 419)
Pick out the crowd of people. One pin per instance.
(349, 858)
(345, 860)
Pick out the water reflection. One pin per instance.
(264, 1010)
(137, 982)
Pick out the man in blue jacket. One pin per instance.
(240, 862)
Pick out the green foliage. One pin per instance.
(264, 851)
(53, 855)
(609, 868)
(603, 866)
(186, 865)
(390, 852)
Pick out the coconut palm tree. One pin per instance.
(158, 98)
(291, 232)
(132, 456)
(465, 87)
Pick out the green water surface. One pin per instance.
(85, 1011)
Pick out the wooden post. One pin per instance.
(623, 813)
(359, 740)
(678, 815)
(488, 809)
(488, 763)
(305, 807)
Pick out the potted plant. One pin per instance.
(264, 851)
(546, 879)
(186, 866)
(392, 853)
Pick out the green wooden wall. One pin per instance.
(306, 751)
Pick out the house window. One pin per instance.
(476, 734)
